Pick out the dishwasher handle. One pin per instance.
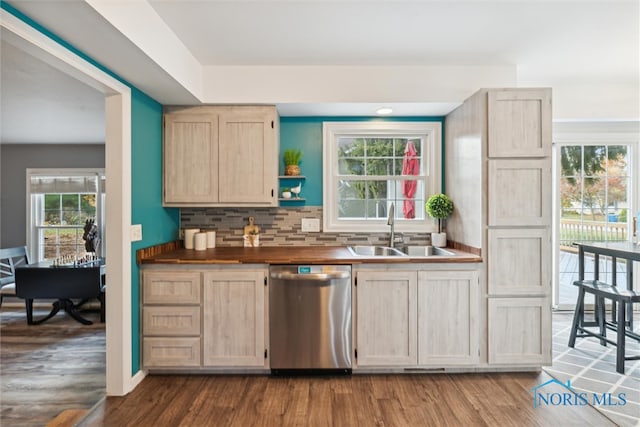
(316, 277)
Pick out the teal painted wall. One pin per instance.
(159, 224)
(305, 133)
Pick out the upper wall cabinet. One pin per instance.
(519, 123)
(220, 156)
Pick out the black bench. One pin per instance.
(621, 297)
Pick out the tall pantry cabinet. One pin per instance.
(498, 173)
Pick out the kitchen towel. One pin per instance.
(211, 239)
(188, 237)
(200, 241)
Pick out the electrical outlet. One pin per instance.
(136, 232)
(311, 225)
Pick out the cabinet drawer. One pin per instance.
(166, 352)
(163, 287)
(171, 321)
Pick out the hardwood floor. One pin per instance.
(359, 400)
(48, 368)
(60, 365)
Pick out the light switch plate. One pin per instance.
(136, 232)
(311, 225)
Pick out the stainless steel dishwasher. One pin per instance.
(310, 319)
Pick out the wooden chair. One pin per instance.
(10, 258)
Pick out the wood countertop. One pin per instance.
(294, 255)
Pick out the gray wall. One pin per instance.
(14, 161)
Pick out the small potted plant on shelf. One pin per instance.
(439, 207)
(292, 159)
(286, 193)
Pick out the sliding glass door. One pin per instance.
(593, 184)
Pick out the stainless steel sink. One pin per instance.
(375, 251)
(427, 251)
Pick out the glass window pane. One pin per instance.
(380, 166)
(351, 166)
(88, 205)
(51, 209)
(50, 243)
(594, 160)
(618, 164)
(351, 209)
(571, 160)
(377, 190)
(70, 201)
(351, 189)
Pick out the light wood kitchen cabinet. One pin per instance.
(498, 161)
(448, 318)
(220, 156)
(520, 192)
(519, 262)
(190, 158)
(519, 331)
(519, 122)
(386, 318)
(171, 287)
(234, 318)
(170, 319)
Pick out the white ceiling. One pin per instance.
(568, 45)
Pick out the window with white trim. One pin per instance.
(59, 202)
(368, 166)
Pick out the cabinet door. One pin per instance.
(386, 318)
(520, 331)
(170, 287)
(519, 123)
(519, 261)
(248, 156)
(233, 310)
(448, 311)
(519, 192)
(190, 158)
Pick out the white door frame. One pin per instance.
(584, 133)
(119, 379)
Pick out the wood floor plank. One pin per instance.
(48, 368)
(37, 371)
(359, 400)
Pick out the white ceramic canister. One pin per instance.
(200, 241)
(211, 239)
(188, 237)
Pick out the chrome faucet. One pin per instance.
(390, 222)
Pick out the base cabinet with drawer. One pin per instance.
(203, 319)
(171, 319)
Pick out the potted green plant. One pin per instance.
(286, 193)
(440, 207)
(292, 159)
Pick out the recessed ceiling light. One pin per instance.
(383, 111)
